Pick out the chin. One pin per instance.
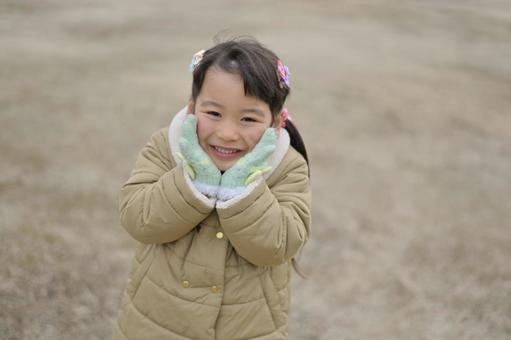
(223, 166)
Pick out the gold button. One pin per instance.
(215, 289)
(185, 283)
(219, 235)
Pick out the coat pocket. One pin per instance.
(141, 264)
(272, 298)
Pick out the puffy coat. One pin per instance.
(206, 270)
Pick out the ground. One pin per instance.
(403, 106)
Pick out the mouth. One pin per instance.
(225, 153)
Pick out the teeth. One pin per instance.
(226, 151)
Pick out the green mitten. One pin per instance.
(203, 172)
(235, 180)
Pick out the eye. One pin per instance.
(249, 119)
(213, 113)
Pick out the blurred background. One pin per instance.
(405, 110)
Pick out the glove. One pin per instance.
(235, 180)
(203, 172)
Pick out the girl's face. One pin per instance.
(229, 124)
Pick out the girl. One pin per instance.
(220, 205)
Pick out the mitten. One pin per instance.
(203, 172)
(236, 179)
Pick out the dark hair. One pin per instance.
(257, 66)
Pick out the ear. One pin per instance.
(191, 106)
(276, 124)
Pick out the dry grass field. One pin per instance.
(405, 107)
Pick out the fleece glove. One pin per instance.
(203, 172)
(236, 179)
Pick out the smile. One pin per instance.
(225, 151)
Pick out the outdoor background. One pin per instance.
(404, 107)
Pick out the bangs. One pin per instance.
(258, 81)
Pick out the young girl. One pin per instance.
(220, 205)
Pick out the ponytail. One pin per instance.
(298, 144)
(297, 141)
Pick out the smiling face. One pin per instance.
(230, 123)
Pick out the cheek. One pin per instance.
(204, 129)
(253, 136)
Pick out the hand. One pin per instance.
(205, 175)
(249, 167)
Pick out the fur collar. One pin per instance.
(175, 133)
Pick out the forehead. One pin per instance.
(227, 90)
(221, 84)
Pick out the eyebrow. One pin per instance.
(248, 110)
(254, 110)
(212, 103)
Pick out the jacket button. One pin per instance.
(185, 283)
(215, 289)
(219, 235)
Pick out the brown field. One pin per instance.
(405, 110)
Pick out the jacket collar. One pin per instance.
(276, 157)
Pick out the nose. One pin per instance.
(227, 131)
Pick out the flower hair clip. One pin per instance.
(197, 57)
(283, 74)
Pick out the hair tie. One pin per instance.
(285, 116)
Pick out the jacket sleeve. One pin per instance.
(269, 226)
(158, 204)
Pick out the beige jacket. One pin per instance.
(207, 270)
